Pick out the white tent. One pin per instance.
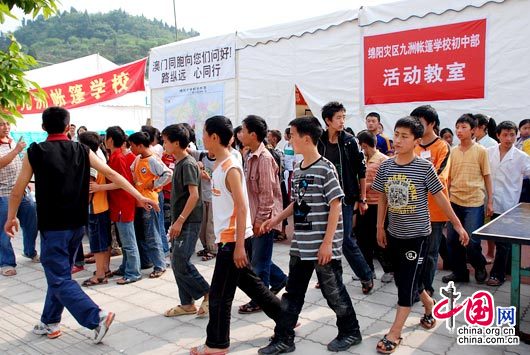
(323, 56)
(129, 111)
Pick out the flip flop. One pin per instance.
(156, 274)
(178, 311)
(205, 307)
(9, 271)
(93, 281)
(203, 350)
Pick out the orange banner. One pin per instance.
(92, 90)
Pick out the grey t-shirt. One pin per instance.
(313, 188)
(186, 173)
(406, 188)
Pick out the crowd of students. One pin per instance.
(402, 201)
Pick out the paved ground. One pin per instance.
(140, 328)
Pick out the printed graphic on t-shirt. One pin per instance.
(400, 192)
(301, 208)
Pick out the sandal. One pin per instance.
(93, 281)
(125, 281)
(178, 311)
(208, 256)
(9, 271)
(156, 274)
(367, 286)
(108, 274)
(249, 308)
(388, 346)
(427, 321)
(202, 252)
(493, 281)
(205, 308)
(203, 350)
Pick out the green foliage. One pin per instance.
(14, 88)
(117, 36)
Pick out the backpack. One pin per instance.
(278, 159)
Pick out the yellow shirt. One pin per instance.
(526, 146)
(466, 175)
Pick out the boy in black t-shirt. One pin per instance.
(62, 175)
(186, 215)
(404, 182)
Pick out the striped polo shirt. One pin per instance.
(406, 188)
(313, 189)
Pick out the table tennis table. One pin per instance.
(512, 226)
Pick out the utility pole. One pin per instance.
(175, 17)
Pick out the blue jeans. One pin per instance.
(148, 232)
(27, 214)
(431, 259)
(191, 284)
(259, 250)
(350, 249)
(471, 218)
(161, 224)
(58, 249)
(130, 265)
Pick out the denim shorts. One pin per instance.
(99, 232)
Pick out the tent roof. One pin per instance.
(70, 70)
(294, 29)
(406, 9)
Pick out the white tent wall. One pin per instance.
(507, 83)
(324, 65)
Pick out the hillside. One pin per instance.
(116, 35)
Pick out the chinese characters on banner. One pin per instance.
(198, 65)
(435, 63)
(92, 90)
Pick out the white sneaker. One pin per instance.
(51, 330)
(387, 277)
(105, 320)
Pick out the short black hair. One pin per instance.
(191, 132)
(506, 125)
(152, 131)
(308, 126)
(140, 138)
(467, 118)
(256, 124)
(428, 113)
(90, 139)
(330, 109)
(523, 122)
(117, 134)
(367, 138)
(446, 130)
(177, 133)
(412, 123)
(288, 131)
(55, 119)
(374, 114)
(81, 127)
(276, 134)
(221, 126)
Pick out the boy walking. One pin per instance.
(509, 166)
(316, 244)
(186, 215)
(62, 174)
(469, 176)
(404, 182)
(232, 226)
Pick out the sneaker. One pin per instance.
(105, 320)
(277, 346)
(343, 343)
(51, 330)
(387, 277)
(454, 278)
(77, 268)
(35, 259)
(481, 275)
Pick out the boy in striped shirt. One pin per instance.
(317, 242)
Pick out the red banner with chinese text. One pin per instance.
(428, 64)
(92, 90)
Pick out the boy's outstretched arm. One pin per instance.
(267, 225)
(444, 204)
(12, 224)
(325, 252)
(119, 180)
(234, 184)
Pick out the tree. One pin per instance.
(14, 87)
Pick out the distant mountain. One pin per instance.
(116, 35)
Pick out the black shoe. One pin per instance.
(276, 290)
(343, 343)
(452, 277)
(481, 275)
(147, 266)
(277, 346)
